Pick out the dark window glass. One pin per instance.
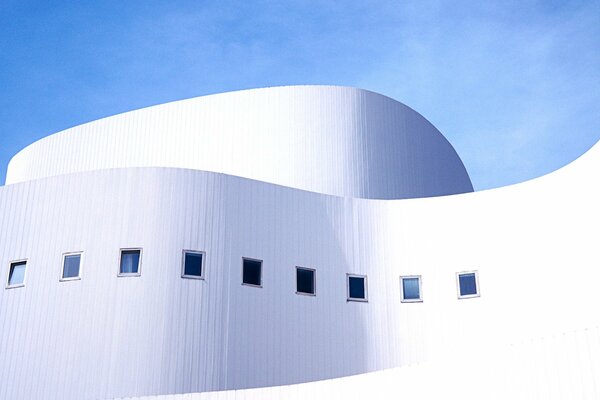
(71, 266)
(305, 280)
(468, 284)
(356, 287)
(130, 261)
(192, 264)
(16, 275)
(251, 272)
(410, 289)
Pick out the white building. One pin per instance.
(271, 243)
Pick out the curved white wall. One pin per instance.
(332, 140)
(106, 336)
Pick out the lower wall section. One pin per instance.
(564, 366)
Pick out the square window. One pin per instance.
(411, 288)
(16, 274)
(251, 272)
(305, 280)
(130, 262)
(192, 264)
(71, 266)
(357, 287)
(468, 284)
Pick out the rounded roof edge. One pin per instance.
(336, 140)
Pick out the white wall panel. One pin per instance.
(563, 366)
(334, 140)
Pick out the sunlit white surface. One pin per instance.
(532, 332)
(327, 139)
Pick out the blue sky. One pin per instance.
(514, 85)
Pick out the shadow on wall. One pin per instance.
(276, 336)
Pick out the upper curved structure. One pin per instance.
(333, 140)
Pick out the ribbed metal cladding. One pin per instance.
(562, 366)
(105, 336)
(332, 140)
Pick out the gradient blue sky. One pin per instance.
(514, 85)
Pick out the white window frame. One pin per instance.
(129, 274)
(314, 271)
(10, 264)
(201, 276)
(468, 296)
(404, 300)
(62, 269)
(261, 272)
(362, 300)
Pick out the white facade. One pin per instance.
(340, 180)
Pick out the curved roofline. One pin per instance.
(338, 140)
(228, 92)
